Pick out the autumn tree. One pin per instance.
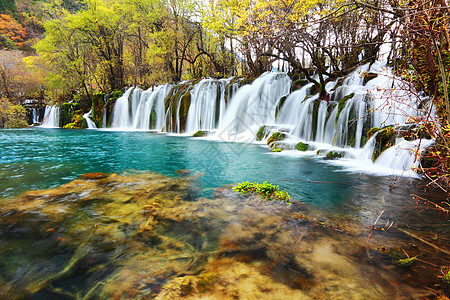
(17, 81)
(12, 34)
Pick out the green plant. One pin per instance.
(267, 190)
(406, 262)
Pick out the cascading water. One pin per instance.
(207, 106)
(35, 115)
(89, 122)
(140, 110)
(252, 106)
(356, 105)
(51, 117)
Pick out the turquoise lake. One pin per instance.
(153, 231)
(39, 158)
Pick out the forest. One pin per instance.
(66, 50)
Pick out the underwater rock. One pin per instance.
(96, 175)
(142, 240)
(183, 171)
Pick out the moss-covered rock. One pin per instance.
(333, 155)
(78, 122)
(276, 150)
(369, 76)
(200, 133)
(302, 146)
(315, 116)
(339, 83)
(385, 138)
(262, 133)
(372, 131)
(341, 105)
(280, 105)
(67, 112)
(276, 136)
(98, 104)
(330, 109)
(108, 108)
(298, 84)
(177, 105)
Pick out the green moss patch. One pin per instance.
(266, 190)
(200, 133)
(276, 136)
(302, 146)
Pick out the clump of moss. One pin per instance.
(98, 103)
(302, 146)
(276, 150)
(276, 136)
(333, 155)
(261, 134)
(405, 262)
(200, 133)
(266, 190)
(372, 131)
(78, 122)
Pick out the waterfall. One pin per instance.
(207, 106)
(51, 117)
(35, 115)
(253, 106)
(140, 110)
(235, 113)
(402, 154)
(90, 123)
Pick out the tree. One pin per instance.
(17, 81)
(12, 34)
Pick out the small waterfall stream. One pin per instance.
(35, 115)
(89, 122)
(51, 117)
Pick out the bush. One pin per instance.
(15, 117)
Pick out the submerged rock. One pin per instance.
(134, 236)
(183, 171)
(96, 175)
